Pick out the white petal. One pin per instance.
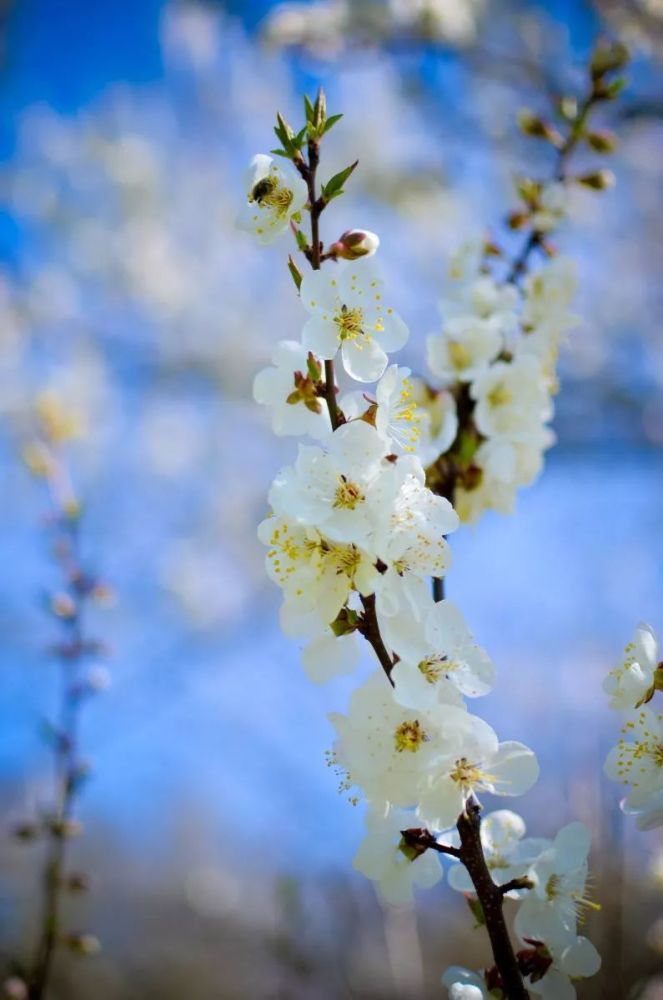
(319, 294)
(321, 336)
(330, 656)
(572, 845)
(515, 768)
(395, 333)
(363, 359)
(581, 959)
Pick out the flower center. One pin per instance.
(407, 412)
(268, 192)
(348, 495)
(500, 395)
(466, 773)
(459, 355)
(409, 736)
(347, 559)
(433, 668)
(349, 323)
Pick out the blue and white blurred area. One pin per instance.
(125, 287)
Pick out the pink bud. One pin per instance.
(355, 243)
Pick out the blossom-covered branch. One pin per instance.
(355, 534)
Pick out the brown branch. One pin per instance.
(370, 629)
(491, 898)
(424, 840)
(515, 883)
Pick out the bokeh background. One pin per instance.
(219, 848)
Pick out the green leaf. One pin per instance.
(280, 152)
(295, 272)
(331, 121)
(285, 133)
(334, 187)
(309, 110)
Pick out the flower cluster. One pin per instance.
(636, 762)
(552, 954)
(503, 322)
(496, 357)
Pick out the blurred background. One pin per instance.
(219, 849)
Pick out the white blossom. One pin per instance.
(637, 760)
(384, 857)
(274, 387)
(510, 397)
(629, 683)
(437, 651)
(386, 748)
(275, 192)
(479, 763)
(549, 912)
(348, 312)
(412, 541)
(398, 418)
(439, 420)
(341, 490)
(464, 349)
(578, 960)
(315, 574)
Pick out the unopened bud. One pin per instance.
(608, 57)
(65, 828)
(598, 180)
(77, 882)
(355, 243)
(83, 944)
(26, 831)
(602, 142)
(535, 127)
(517, 220)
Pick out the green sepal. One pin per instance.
(476, 909)
(346, 621)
